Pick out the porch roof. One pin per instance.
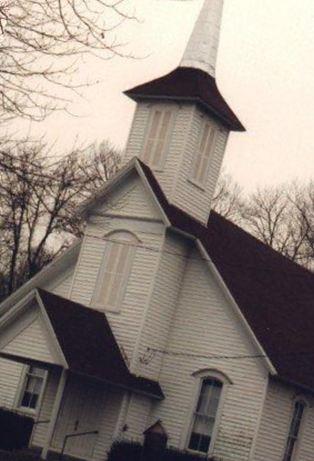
(89, 345)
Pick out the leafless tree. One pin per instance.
(41, 45)
(38, 203)
(281, 216)
(228, 200)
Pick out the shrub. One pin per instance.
(129, 451)
(15, 430)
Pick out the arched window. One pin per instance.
(115, 269)
(294, 430)
(204, 416)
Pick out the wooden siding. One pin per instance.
(10, 375)
(191, 198)
(40, 430)
(32, 342)
(275, 422)
(110, 413)
(125, 323)
(184, 140)
(163, 302)
(10, 371)
(137, 419)
(204, 323)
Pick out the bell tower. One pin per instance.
(182, 123)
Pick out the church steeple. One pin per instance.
(201, 51)
(182, 122)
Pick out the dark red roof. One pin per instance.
(275, 295)
(89, 345)
(189, 84)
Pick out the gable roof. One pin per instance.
(275, 295)
(189, 84)
(89, 346)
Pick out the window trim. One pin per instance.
(101, 271)
(194, 181)
(301, 428)
(21, 389)
(152, 109)
(200, 376)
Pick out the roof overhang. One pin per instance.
(189, 84)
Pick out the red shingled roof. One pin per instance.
(189, 84)
(275, 295)
(89, 346)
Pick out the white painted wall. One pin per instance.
(149, 231)
(275, 422)
(204, 323)
(184, 140)
(159, 315)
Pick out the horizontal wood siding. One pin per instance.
(137, 417)
(108, 423)
(205, 324)
(10, 375)
(162, 306)
(195, 200)
(137, 132)
(275, 422)
(32, 342)
(40, 430)
(125, 323)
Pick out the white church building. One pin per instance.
(164, 310)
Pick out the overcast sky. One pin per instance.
(265, 71)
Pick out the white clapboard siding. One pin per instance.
(32, 342)
(125, 323)
(40, 430)
(275, 422)
(138, 129)
(188, 196)
(61, 285)
(10, 374)
(163, 302)
(107, 426)
(204, 323)
(130, 198)
(137, 419)
(174, 176)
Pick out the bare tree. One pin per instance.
(281, 216)
(41, 43)
(38, 203)
(228, 200)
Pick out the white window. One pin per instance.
(205, 415)
(154, 152)
(114, 271)
(294, 430)
(32, 389)
(203, 154)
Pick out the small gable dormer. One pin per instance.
(182, 122)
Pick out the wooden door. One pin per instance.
(81, 411)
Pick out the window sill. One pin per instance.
(199, 186)
(27, 411)
(201, 454)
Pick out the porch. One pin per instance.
(74, 378)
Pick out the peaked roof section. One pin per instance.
(89, 346)
(189, 84)
(275, 295)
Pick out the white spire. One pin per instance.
(202, 48)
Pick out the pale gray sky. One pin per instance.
(265, 71)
